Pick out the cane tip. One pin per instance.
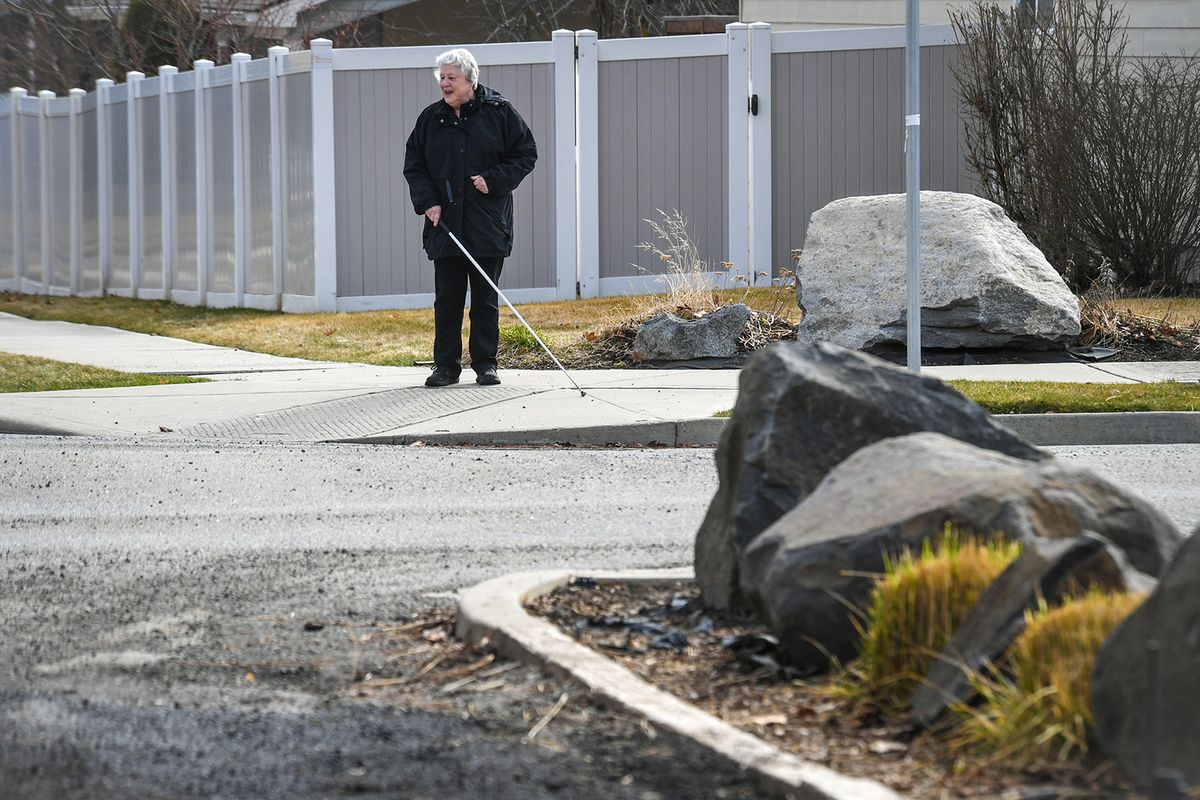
(582, 393)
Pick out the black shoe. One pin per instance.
(487, 377)
(441, 377)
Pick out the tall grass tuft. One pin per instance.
(1037, 711)
(914, 610)
(692, 282)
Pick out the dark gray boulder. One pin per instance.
(1049, 569)
(1144, 684)
(805, 576)
(669, 338)
(802, 409)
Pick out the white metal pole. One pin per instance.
(45, 96)
(241, 230)
(512, 308)
(203, 202)
(912, 178)
(166, 175)
(277, 63)
(18, 217)
(104, 179)
(133, 144)
(76, 176)
(324, 183)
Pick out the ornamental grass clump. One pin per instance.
(915, 609)
(1035, 708)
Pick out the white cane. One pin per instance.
(528, 327)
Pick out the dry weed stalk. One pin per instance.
(691, 289)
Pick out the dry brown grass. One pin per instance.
(388, 338)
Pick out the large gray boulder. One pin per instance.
(805, 576)
(802, 409)
(1144, 697)
(669, 338)
(983, 284)
(1048, 570)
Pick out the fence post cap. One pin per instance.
(322, 43)
(202, 63)
(278, 50)
(77, 92)
(17, 90)
(134, 75)
(46, 94)
(103, 83)
(167, 69)
(240, 57)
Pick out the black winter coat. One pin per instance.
(444, 151)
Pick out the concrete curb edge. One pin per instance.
(1043, 430)
(493, 610)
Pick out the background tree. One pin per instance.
(1093, 153)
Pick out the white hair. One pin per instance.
(462, 60)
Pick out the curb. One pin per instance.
(1042, 430)
(492, 611)
(1113, 428)
(704, 432)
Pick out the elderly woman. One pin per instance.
(464, 157)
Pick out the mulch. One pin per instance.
(729, 667)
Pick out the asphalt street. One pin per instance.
(153, 597)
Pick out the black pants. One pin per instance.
(450, 279)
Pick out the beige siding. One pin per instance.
(662, 146)
(1155, 26)
(838, 131)
(378, 233)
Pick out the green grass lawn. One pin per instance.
(28, 374)
(1045, 397)
(1048, 397)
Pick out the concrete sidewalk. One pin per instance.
(263, 397)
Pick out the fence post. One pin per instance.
(241, 232)
(566, 181)
(277, 62)
(587, 100)
(18, 220)
(761, 265)
(45, 96)
(203, 202)
(133, 138)
(104, 181)
(166, 175)
(738, 83)
(324, 184)
(76, 162)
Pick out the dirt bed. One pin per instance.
(725, 666)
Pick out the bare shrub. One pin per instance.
(1093, 153)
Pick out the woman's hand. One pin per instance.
(480, 183)
(434, 213)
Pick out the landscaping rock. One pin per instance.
(801, 409)
(669, 338)
(1049, 569)
(806, 575)
(1144, 697)
(983, 284)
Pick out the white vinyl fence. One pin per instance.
(277, 183)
